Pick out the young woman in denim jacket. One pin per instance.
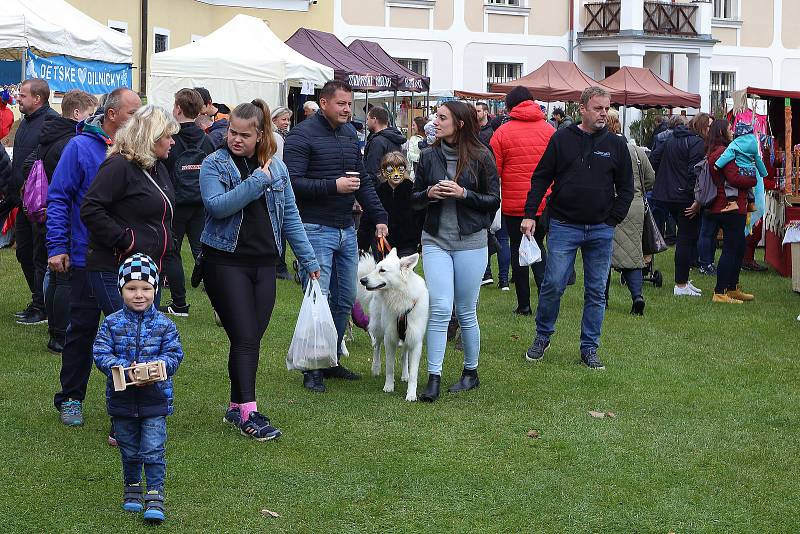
(249, 204)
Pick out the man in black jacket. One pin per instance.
(592, 188)
(183, 164)
(56, 133)
(486, 131)
(319, 152)
(34, 96)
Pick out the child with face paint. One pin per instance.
(394, 191)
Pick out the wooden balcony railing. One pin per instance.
(603, 18)
(671, 19)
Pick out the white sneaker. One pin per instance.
(695, 289)
(685, 291)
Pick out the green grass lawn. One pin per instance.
(705, 437)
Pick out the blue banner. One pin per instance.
(64, 73)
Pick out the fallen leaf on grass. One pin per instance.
(291, 401)
(269, 513)
(515, 337)
(611, 414)
(533, 434)
(598, 415)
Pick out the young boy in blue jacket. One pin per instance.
(139, 333)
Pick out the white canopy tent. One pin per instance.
(55, 27)
(238, 62)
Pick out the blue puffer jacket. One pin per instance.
(317, 155)
(127, 336)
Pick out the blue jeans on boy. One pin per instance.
(453, 276)
(336, 250)
(563, 241)
(141, 442)
(707, 242)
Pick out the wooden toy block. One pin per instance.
(143, 373)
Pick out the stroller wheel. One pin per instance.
(658, 280)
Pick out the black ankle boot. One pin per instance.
(431, 392)
(469, 380)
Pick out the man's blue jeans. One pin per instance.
(141, 442)
(595, 242)
(336, 250)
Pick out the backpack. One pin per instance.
(705, 190)
(34, 199)
(185, 173)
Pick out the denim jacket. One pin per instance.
(225, 195)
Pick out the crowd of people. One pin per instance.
(127, 182)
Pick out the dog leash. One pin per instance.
(383, 247)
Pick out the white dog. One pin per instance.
(398, 316)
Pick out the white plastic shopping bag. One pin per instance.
(529, 252)
(314, 342)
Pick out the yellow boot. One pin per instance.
(739, 294)
(725, 298)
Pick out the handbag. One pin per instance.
(652, 240)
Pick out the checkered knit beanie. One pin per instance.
(742, 128)
(138, 267)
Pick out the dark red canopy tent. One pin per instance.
(326, 48)
(554, 81)
(374, 54)
(641, 88)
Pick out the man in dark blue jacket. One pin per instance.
(319, 152)
(34, 96)
(67, 241)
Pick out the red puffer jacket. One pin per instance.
(518, 146)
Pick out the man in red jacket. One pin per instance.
(6, 115)
(518, 146)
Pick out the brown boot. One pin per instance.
(727, 299)
(739, 294)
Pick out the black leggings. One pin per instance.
(243, 298)
(522, 283)
(686, 244)
(733, 246)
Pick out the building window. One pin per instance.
(118, 25)
(512, 3)
(420, 66)
(722, 86)
(501, 73)
(724, 9)
(160, 40)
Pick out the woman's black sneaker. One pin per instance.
(259, 428)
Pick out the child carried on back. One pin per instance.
(745, 151)
(139, 333)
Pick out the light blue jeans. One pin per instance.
(336, 250)
(453, 275)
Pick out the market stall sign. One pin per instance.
(64, 73)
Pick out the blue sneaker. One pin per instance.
(233, 417)
(259, 428)
(535, 352)
(154, 506)
(132, 498)
(71, 412)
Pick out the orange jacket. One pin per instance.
(518, 146)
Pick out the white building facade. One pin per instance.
(710, 47)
